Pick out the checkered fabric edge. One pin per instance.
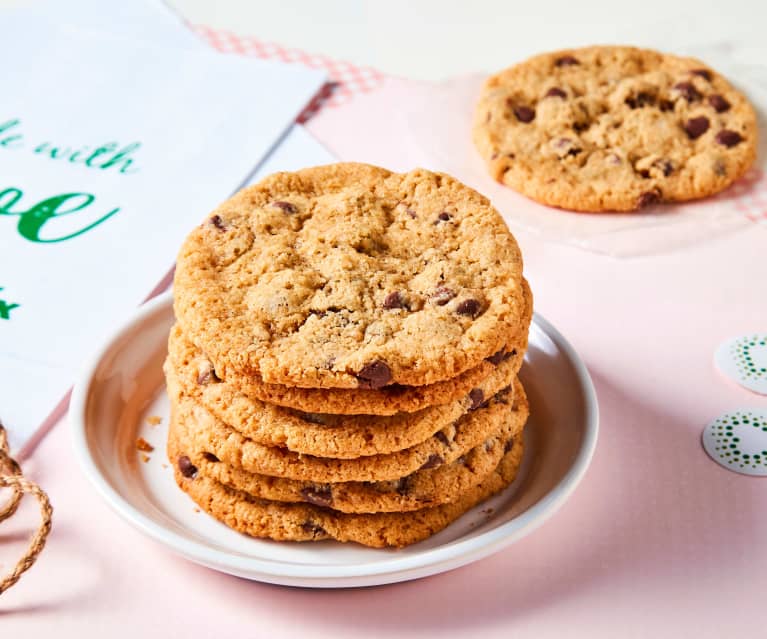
(347, 80)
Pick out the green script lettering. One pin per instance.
(32, 221)
(6, 308)
(11, 141)
(102, 157)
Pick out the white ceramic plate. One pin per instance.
(123, 385)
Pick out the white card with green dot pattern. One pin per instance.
(743, 359)
(738, 441)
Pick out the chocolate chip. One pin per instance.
(469, 307)
(719, 103)
(509, 445)
(211, 457)
(411, 213)
(405, 485)
(461, 460)
(502, 396)
(218, 222)
(695, 127)
(286, 207)
(489, 445)
(524, 114)
(432, 462)
(565, 61)
(319, 496)
(501, 356)
(374, 375)
(443, 217)
(311, 418)
(394, 300)
(580, 127)
(186, 467)
(688, 91)
(442, 295)
(314, 529)
(442, 438)
(555, 92)
(644, 173)
(648, 199)
(641, 99)
(719, 168)
(703, 73)
(477, 397)
(666, 105)
(664, 166)
(729, 138)
(614, 159)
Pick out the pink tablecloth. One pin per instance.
(658, 541)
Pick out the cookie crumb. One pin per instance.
(143, 445)
(154, 420)
(145, 458)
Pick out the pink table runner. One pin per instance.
(658, 540)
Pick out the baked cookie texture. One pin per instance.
(610, 128)
(445, 446)
(421, 489)
(388, 400)
(350, 276)
(345, 358)
(305, 522)
(321, 434)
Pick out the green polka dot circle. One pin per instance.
(743, 359)
(738, 440)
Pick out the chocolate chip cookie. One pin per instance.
(424, 488)
(319, 434)
(350, 276)
(389, 400)
(614, 129)
(306, 522)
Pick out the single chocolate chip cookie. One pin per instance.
(350, 276)
(614, 129)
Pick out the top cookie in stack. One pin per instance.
(348, 290)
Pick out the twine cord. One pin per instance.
(11, 477)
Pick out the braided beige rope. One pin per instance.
(10, 477)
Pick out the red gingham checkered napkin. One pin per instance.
(347, 79)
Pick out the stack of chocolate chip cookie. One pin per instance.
(344, 363)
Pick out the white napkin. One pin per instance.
(110, 150)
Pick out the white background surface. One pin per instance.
(434, 39)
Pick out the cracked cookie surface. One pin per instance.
(350, 276)
(614, 129)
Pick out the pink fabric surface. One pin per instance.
(658, 541)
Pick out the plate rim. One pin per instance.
(442, 558)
